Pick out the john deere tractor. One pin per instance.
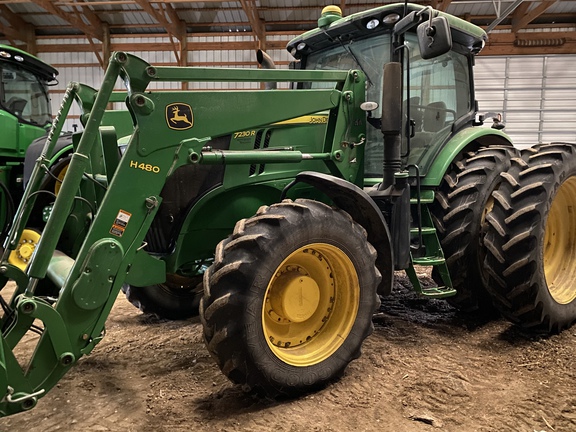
(291, 213)
(25, 115)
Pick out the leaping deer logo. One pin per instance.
(176, 116)
(179, 116)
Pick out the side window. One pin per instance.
(438, 94)
(24, 96)
(439, 90)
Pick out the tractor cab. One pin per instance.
(25, 111)
(437, 90)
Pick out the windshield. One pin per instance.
(438, 95)
(369, 55)
(24, 95)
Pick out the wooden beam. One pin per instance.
(520, 11)
(256, 23)
(159, 16)
(18, 28)
(106, 52)
(119, 2)
(289, 35)
(538, 43)
(11, 32)
(72, 18)
(442, 5)
(31, 46)
(527, 18)
(89, 14)
(129, 47)
(166, 16)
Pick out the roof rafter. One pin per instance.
(19, 29)
(524, 19)
(441, 5)
(92, 29)
(90, 15)
(168, 18)
(258, 27)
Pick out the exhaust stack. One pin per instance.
(266, 62)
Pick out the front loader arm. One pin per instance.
(166, 135)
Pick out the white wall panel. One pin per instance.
(535, 94)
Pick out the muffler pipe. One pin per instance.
(266, 62)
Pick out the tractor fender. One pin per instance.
(480, 136)
(364, 211)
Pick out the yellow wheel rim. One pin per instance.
(310, 304)
(21, 256)
(60, 176)
(560, 244)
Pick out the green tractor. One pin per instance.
(25, 120)
(25, 114)
(291, 213)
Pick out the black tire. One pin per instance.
(268, 260)
(459, 210)
(531, 240)
(177, 299)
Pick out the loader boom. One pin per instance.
(163, 139)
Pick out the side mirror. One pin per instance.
(434, 37)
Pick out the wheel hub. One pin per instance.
(26, 250)
(560, 244)
(21, 256)
(310, 304)
(295, 297)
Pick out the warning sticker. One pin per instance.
(117, 231)
(120, 223)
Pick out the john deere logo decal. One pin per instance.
(179, 116)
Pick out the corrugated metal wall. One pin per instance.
(535, 94)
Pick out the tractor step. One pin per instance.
(429, 254)
(429, 261)
(438, 292)
(435, 291)
(426, 197)
(425, 230)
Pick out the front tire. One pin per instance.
(290, 297)
(531, 240)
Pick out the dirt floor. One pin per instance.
(424, 369)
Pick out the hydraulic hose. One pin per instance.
(9, 212)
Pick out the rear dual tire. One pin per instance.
(531, 240)
(459, 211)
